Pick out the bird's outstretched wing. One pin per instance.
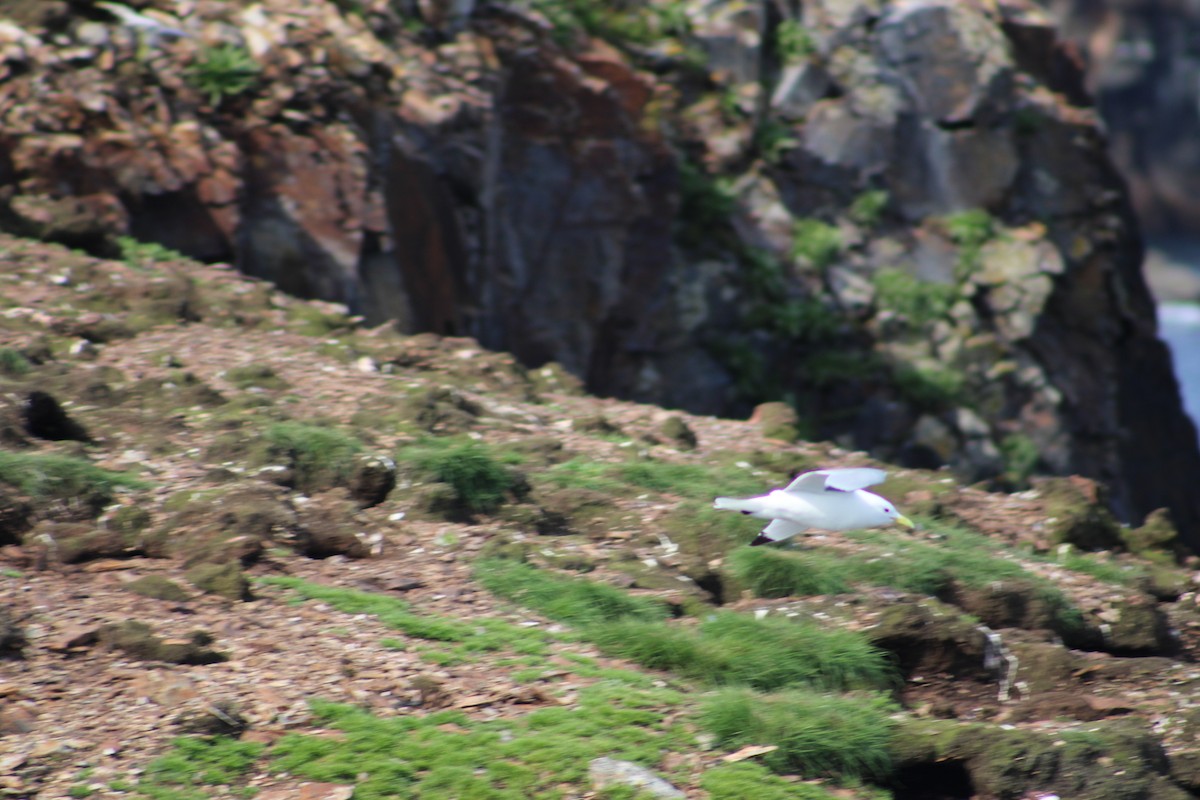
(836, 480)
(778, 530)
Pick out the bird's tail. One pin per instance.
(746, 505)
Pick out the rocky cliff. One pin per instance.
(899, 217)
(1140, 59)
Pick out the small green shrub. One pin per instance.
(792, 42)
(320, 456)
(226, 70)
(817, 244)
(13, 362)
(479, 482)
(970, 230)
(867, 209)
(817, 734)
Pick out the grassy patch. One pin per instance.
(478, 479)
(449, 755)
(734, 649)
(51, 477)
(196, 762)
(692, 481)
(919, 301)
(816, 734)
(570, 600)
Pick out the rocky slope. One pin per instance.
(235, 517)
(898, 217)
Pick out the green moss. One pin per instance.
(919, 301)
(867, 209)
(741, 780)
(815, 243)
(1021, 458)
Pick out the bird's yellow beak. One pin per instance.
(905, 521)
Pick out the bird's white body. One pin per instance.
(831, 499)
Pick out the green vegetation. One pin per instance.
(738, 650)
(744, 779)
(792, 42)
(487, 635)
(478, 480)
(773, 138)
(705, 206)
(571, 600)
(197, 762)
(13, 362)
(815, 243)
(817, 734)
(930, 388)
(970, 230)
(226, 70)
(447, 754)
(143, 254)
(695, 481)
(320, 456)
(867, 209)
(919, 301)
(51, 477)
(1021, 458)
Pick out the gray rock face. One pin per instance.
(899, 216)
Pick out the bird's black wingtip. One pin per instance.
(761, 539)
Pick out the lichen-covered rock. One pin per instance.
(372, 479)
(1078, 514)
(678, 432)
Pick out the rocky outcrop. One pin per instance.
(900, 217)
(1140, 65)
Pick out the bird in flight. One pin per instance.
(828, 499)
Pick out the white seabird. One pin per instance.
(829, 499)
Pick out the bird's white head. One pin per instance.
(887, 510)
